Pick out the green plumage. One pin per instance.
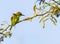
(15, 19)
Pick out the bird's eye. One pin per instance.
(20, 13)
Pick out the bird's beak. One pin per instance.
(23, 15)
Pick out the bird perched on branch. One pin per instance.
(15, 19)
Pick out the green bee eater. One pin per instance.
(15, 19)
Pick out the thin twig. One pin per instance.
(6, 28)
(30, 18)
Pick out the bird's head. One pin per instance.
(19, 14)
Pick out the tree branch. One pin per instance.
(30, 18)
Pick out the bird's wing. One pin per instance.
(14, 20)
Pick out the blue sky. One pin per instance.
(28, 32)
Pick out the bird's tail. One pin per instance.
(10, 28)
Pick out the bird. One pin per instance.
(15, 19)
